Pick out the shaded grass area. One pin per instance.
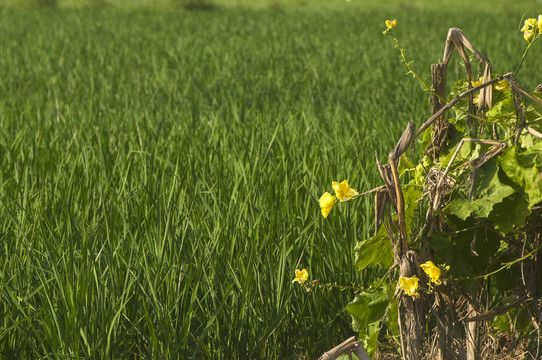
(160, 172)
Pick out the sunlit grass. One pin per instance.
(160, 172)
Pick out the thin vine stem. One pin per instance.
(410, 70)
(525, 54)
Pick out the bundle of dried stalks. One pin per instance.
(449, 341)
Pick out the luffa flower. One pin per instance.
(432, 271)
(477, 83)
(409, 285)
(327, 202)
(343, 190)
(530, 28)
(502, 85)
(301, 276)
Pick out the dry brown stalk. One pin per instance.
(492, 313)
(454, 101)
(349, 346)
(415, 312)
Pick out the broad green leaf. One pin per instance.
(527, 140)
(452, 252)
(532, 116)
(507, 279)
(371, 340)
(488, 192)
(531, 156)
(367, 308)
(447, 155)
(367, 311)
(524, 171)
(392, 318)
(374, 250)
(469, 250)
(404, 165)
(426, 138)
(503, 113)
(421, 170)
(502, 323)
(511, 212)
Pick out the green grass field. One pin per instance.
(161, 168)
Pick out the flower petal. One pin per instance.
(343, 190)
(409, 285)
(301, 276)
(432, 271)
(327, 202)
(391, 24)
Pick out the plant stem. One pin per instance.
(525, 54)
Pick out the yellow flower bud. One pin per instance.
(391, 24)
(528, 35)
(530, 25)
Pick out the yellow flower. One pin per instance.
(391, 24)
(343, 190)
(477, 83)
(301, 276)
(432, 271)
(327, 202)
(409, 285)
(540, 24)
(530, 25)
(502, 85)
(528, 35)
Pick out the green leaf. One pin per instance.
(488, 190)
(523, 170)
(404, 165)
(533, 116)
(374, 250)
(421, 170)
(511, 212)
(426, 139)
(371, 339)
(527, 140)
(503, 113)
(392, 319)
(367, 311)
(452, 252)
(469, 249)
(502, 322)
(378, 249)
